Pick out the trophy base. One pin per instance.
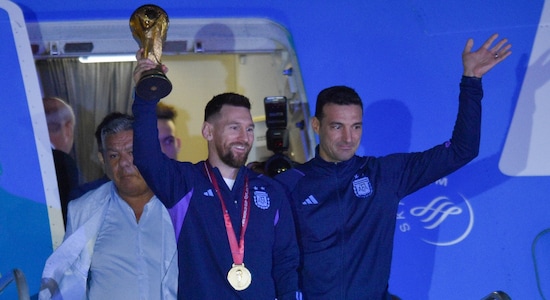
(153, 86)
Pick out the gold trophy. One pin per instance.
(149, 24)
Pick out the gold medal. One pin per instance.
(239, 277)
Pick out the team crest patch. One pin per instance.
(261, 198)
(362, 187)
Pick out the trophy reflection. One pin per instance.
(149, 24)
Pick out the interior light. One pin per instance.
(106, 58)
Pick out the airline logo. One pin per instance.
(436, 215)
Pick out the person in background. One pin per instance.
(61, 122)
(345, 205)
(119, 243)
(170, 144)
(236, 237)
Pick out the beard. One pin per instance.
(230, 159)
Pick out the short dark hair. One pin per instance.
(215, 105)
(112, 123)
(340, 95)
(166, 112)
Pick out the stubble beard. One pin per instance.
(233, 161)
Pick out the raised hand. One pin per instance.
(479, 62)
(144, 64)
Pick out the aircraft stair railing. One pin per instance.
(18, 277)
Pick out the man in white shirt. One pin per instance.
(120, 242)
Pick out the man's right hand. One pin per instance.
(144, 64)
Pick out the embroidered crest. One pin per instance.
(362, 187)
(261, 198)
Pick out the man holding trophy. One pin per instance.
(234, 227)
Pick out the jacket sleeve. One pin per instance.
(419, 169)
(159, 171)
(285, 252)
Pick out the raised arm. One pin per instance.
(157, 169)
(464, 144)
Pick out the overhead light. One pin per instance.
(106, 58)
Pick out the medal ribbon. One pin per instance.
(237, 249)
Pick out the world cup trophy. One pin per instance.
(149, 25)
